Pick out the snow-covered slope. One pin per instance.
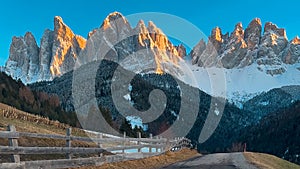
(247, 62)
(239, 84)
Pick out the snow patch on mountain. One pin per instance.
(136, 121)
(241, 84)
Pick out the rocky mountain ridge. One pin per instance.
(146, 49)
(136, 48)
(56, 55)
(139, 48)
(269, 48)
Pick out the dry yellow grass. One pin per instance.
(150, 162)
(25, 122)
(266, 161)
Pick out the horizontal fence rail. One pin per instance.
(7, 134)
(64, 150)
(138, 144)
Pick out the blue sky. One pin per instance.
(18, 16)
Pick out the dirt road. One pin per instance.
(215, 161)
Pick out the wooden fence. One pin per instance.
(15, 151)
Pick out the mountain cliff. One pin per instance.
(269, 48)
(139, 48)
(147, 48)
(56, 55)
(136, 49)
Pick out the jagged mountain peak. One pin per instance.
(216, 34)
(154, 29)
(56, 55)
(150, 29)
(255, 21)
(65, 48)
(140, 23)
(152, 25)
(238, 33)
(28, 35)
(62, 30)
(115, 18)
(59, 23)
(270, 26)
(238, 26)
(292, 53)
(30, 40)
(273, 28)
(269, 49)
(60, 48)
(239, 29)
(141, 27)
(58, 19)
(252, 33)
(144, 46)
(23, 57)
(296, 41)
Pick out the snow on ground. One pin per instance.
(239, 84)
(144, 150)
(136, 121)
(104, 134)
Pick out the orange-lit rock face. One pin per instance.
(138, 49)
(292, 55)
(106, 24)
(54, 68)
(217, 34)
(274, 38)
(81, 41)
(272, 27)
(115, 16)
(62, 30)
(215, 39)
(253, 33)
(144, 39)
(238, 35)
(154, 39)
(66, 47)
(296, 41)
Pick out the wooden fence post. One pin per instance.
(68, 142)
(157, 143)
(245, 147)
(99, 136)
(167, 145)
(161, 147)
(124, 142)
(139, 141)
(150, 148)
(14, 143)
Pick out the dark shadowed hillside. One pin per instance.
(16, 94)
(277, 134)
